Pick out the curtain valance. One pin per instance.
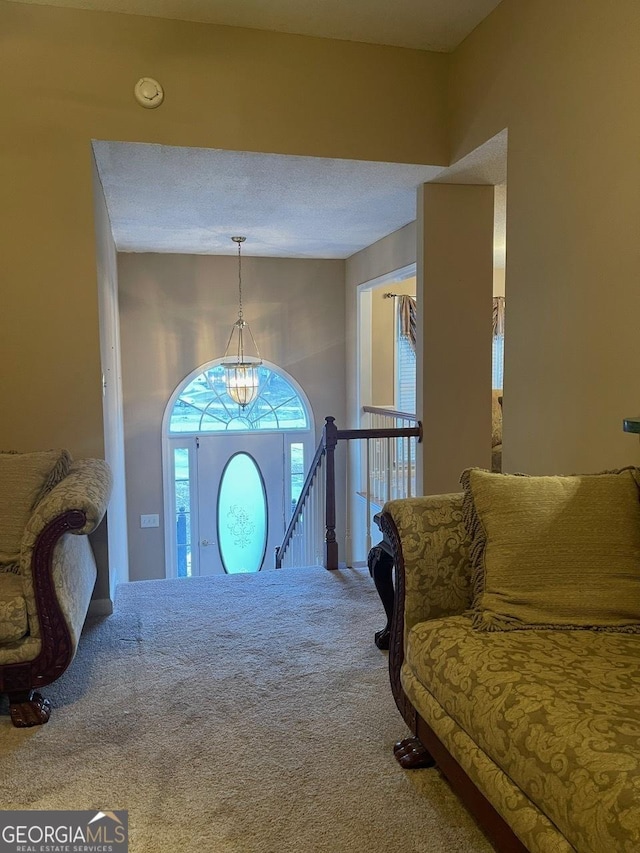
(408, 318)
(498, 316)
(407, 314)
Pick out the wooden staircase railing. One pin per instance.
(308, 510)
(311, 535)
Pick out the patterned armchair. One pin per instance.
(48, 504)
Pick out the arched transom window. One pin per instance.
(204, 406)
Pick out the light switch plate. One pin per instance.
(150, 520)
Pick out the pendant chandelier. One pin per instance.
(241, 371)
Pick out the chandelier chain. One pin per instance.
(240, 317)
(241, 376)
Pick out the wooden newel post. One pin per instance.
(330, 440)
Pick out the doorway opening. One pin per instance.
(231, 475)
(386, 367)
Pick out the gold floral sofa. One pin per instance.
(48, 504)
(515, 654)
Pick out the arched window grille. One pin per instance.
(204, 406)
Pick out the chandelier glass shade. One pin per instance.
(241, 376)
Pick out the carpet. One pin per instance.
(236, 714)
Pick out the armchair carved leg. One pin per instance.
(380, 563)
(411, 754)
(28, 708)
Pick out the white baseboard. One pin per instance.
(100, 607)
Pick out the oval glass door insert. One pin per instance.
(242, 515)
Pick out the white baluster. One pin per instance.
(320, 525)
(309, 532)
(368, 537)
(347, 522)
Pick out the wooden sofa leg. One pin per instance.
(380, 564)
(28, 708)
(411, 754)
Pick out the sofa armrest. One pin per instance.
(58, 573)
(432, 573)
(431, 547)
(85, 489)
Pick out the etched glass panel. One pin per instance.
(242, 515)
(205, 406)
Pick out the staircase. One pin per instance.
(388, 471)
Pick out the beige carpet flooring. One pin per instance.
(241, 714)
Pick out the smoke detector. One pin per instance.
(148, 93)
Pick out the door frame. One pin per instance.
(189, 439)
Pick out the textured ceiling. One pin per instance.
(426, 24)
(164, 199)
(193, 200)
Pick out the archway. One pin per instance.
(232, 475)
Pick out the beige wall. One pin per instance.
(67, 77)
(176, 312)
(564, 78)
(113, 563)
(455, 281)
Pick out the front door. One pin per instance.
(240, 501)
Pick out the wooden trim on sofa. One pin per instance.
(396, 639)
(57, 650)
(492, 824)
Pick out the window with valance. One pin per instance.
(406, 355)
(406, 350)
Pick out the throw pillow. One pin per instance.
(25, 478)
(554, 552)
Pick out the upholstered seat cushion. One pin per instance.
(13, 608)
(557, 711)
